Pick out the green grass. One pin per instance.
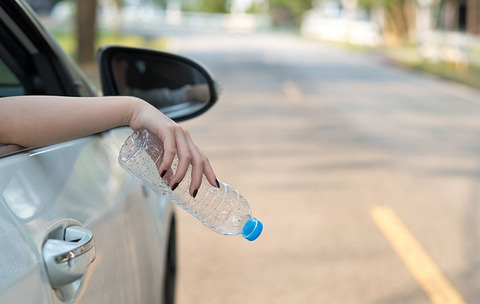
(467, 75)
(68, 43)
(408, 56)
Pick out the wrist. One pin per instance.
(133, 109)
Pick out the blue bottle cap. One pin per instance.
(252, 229)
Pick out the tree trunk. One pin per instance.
(473, 18)
(398, 20)
(86, 30)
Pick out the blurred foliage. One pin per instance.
(258, 7)
(462, 74)
(205, 6)
(409, 57)
(288, 11)
(67, 41)
(161, 3)
(398, 22)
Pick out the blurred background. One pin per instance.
(439, 36)
(351, 126)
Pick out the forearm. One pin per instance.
(33, 121)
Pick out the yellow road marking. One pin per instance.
(292, 92)
(418, 262)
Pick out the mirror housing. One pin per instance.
(178, 86)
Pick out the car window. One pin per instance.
(9, 83)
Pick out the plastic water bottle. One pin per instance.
(223, 209)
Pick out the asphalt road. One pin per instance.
(366, 177)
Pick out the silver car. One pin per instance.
(74, 227)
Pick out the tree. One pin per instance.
(86, 30)
(295, 8)
(205, 6)
(473, 16)
(397, 11)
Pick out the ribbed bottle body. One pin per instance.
(223, 209)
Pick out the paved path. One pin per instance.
(367, 178)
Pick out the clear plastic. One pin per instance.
(223, 209)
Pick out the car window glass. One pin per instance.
(9, 83)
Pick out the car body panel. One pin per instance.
(19, 267)
(77, 182)
(80, 182)
(45, 190)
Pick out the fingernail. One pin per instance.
(195, 193)
(174, 186)
(163, 173)
(218, 184)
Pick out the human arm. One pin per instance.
(34, 121)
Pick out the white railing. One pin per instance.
(358, 32)
(453, 47)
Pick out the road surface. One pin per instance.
(366, 177)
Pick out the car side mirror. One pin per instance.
(179, 87)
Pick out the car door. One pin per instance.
(78, 183)
(46, 191)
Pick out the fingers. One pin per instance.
(169, 152)
(210, 174)
(179, 142)
(176, 141)
(197, 172)
(185, 157)
(200, 166)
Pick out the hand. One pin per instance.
(176, 141)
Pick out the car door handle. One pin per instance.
(67, 259)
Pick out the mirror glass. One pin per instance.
(171, 85)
